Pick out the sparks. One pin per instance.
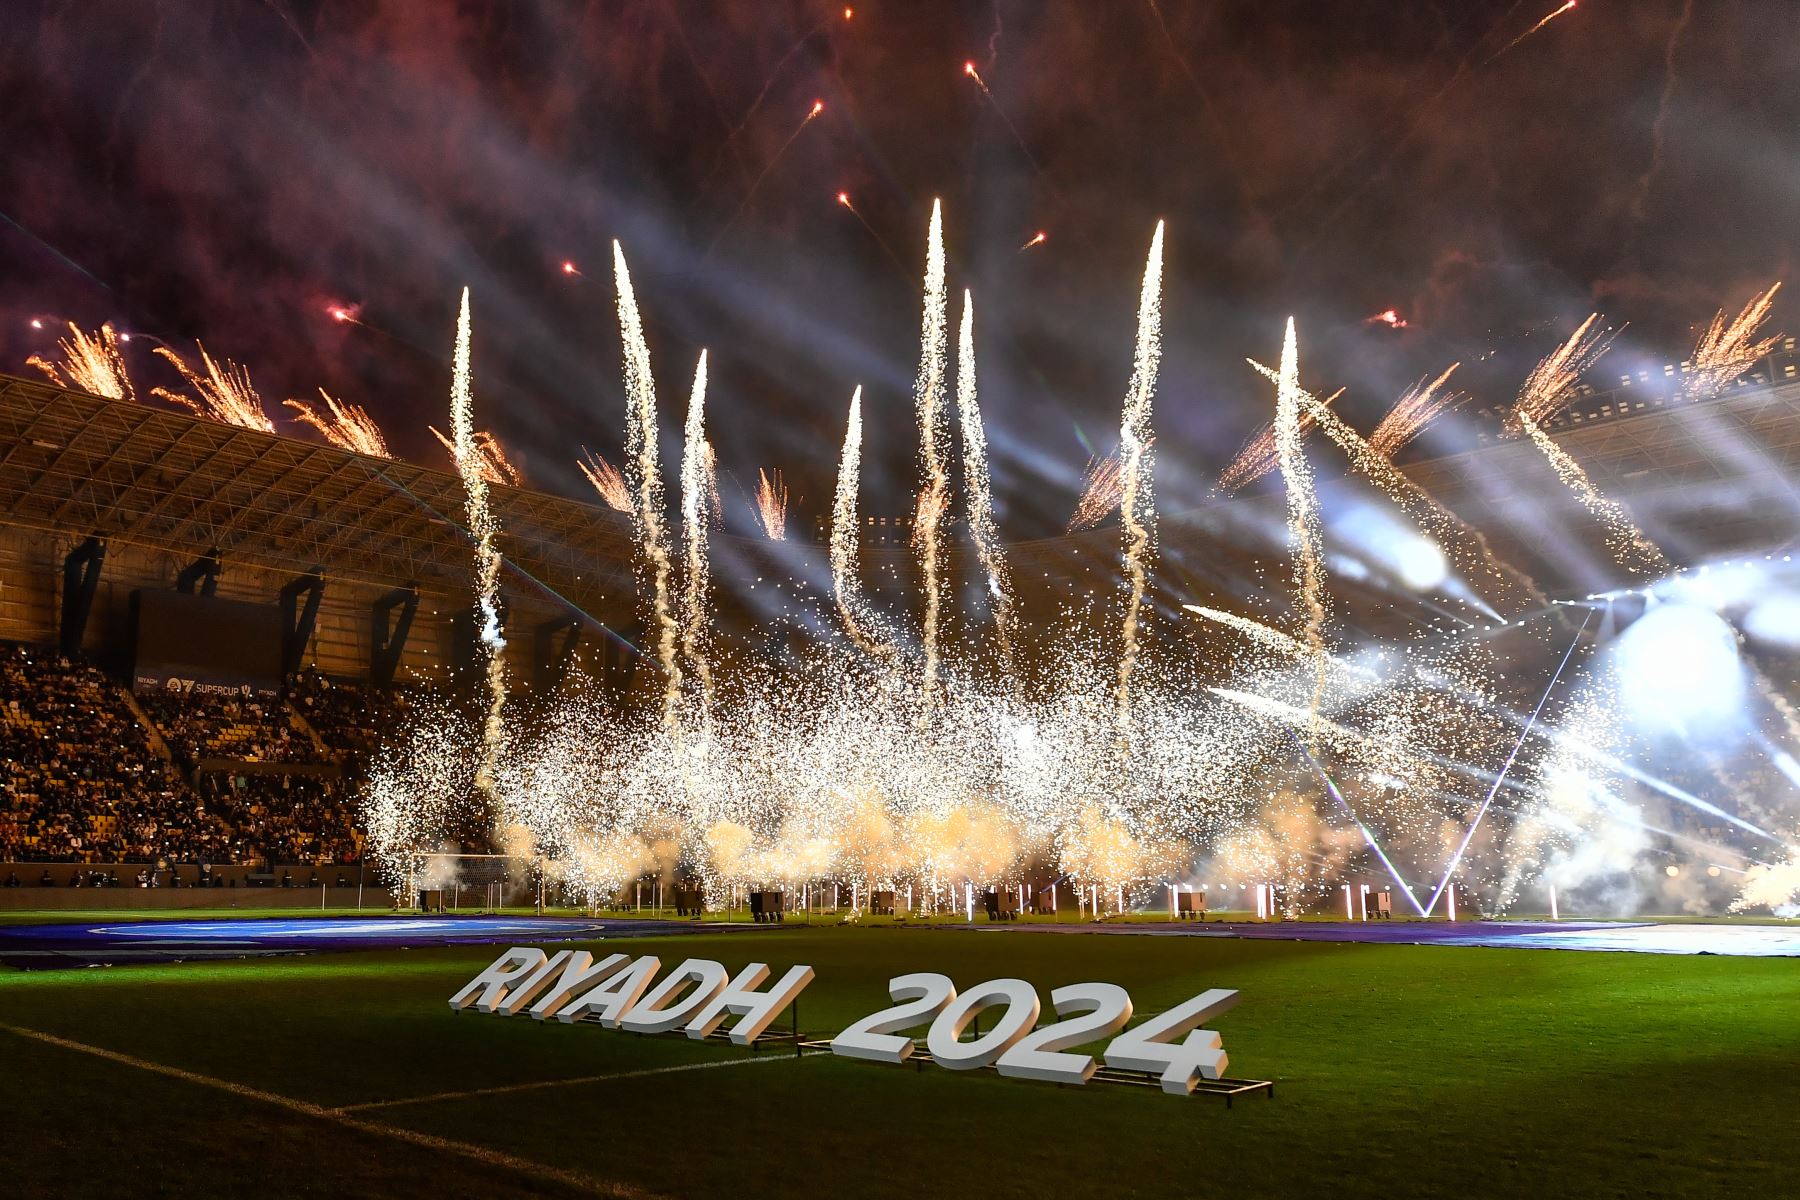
(606, 480)
(934, 437)
(346, 426)
(1036, 239)
(771, 504)
(1422, 404)
(90, 363)
(490, 456)
(846, 588)
(1261, 455)
(1726, 351)
(1304, 535)
(645, 477)
(1102, 485)
(980, 497)
(1136, 503)
(470, 462)
(226, 394)
(697, 498)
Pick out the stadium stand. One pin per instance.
(85, 783)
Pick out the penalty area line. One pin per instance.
(427, 1141)
(536, 1085)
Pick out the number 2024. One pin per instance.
(1016, 1047)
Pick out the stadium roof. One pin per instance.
(1703, 477)
(76, 464)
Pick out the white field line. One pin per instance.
(508, 1089)
(481, 1154)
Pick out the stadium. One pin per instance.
(1315, 790)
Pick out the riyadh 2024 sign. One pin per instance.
(699, 996)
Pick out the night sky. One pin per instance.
(230, 171)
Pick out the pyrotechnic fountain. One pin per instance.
(890, 757)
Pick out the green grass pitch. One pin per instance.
(1401, 1071)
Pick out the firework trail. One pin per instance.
(1136, 502)
(763, 94)
(844, 585)
(1265, 636)
(1422, 404)
(606, 480)
(934, 438)
(90, 364)
(756, 184)
(843, 198)
(696, 501)
(981, 499)
(1547, 391)
(1303, 515)
(1261, 454)
(1449, 531)
(771, 504)
(225, 392)
(1726, 351)
(972, 73)
(1630, 548)
(490, 457)
(1102, 486)
(1036, 239)
(1566, 6)
(486, 529)
(646, 481)
(346, 426)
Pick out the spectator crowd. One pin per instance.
(82, 779)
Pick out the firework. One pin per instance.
(972, 73)
(845, 588)
(1136, 502)
(1566, 6)
(771, 504)
(1726, 351)
(1547, 391)
(606, 480)
(1629, 547)
(1265, 636)
(1261, 454)
(645, 478)
(346, 426)
(1388, 316)
(1102, 486)
(1036, 239)
(486, 529)
(696, 502)
(90, 363)
(1422, 404)
(1551, 385)
(818, 106)
(1304, 535)
(225, 392)
(934, 438)
(1469, 546)
(490, 457)
(975, 476)
(843, 198)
